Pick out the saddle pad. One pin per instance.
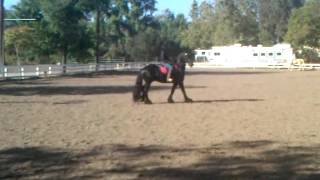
(163, 69)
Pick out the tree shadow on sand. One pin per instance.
(233, 160)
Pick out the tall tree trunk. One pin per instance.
(17, 54)
(98, 38)
(65, 54)
(2, 61)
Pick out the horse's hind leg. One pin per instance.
(145, 92)
(142, 94)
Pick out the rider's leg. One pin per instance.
(169, 79)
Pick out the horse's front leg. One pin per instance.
(186, 98)
(145, 93)
(170, 100)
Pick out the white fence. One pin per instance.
(27, 71)
(56, 70)
(260, 66)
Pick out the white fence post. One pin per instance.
(97, 67)
(5, 70)
(50, 70)
(22, 72)
(37, 71)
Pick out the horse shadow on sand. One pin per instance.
(261, 159)
(214, 101)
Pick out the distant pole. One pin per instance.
(98, 38)
(1, 35)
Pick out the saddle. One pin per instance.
(164, 69)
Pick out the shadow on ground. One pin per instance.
(76, 90)
(188, 72)
(45, 87)
(31, 81)
(232, 72)
(234, 160)
(214, 101)
(103, 74)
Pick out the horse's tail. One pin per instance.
(138, 88)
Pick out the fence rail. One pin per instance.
(262, 66)
(26, 71)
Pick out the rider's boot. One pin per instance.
(169, 79)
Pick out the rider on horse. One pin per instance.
(156, 72)
(168, 63)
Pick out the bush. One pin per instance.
(309, 55)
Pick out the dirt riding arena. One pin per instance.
(243, 124)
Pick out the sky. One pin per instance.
(9, 3)
(176, 6)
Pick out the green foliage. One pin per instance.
(200, 33)
(304, 26)
(310, 55)
(171, 28)
(17, 40)
(273, 19)
(194, 12)
(249, 22)
(83, 29)
(144, 45)
(65, 17)
(226, 22)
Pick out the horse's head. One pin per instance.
(184, 58)
(189, 59)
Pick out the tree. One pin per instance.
(144, 46)
(194, 12)
(171, 29)
(228, 23)
(27, 9)
(17, 40)
(67, 25)
(273, 19)
(248, 27)
(2, 33)
(304, 26)
(42, 46)
(102, 9)
(127, 19)
(200, 32)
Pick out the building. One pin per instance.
(246, 56)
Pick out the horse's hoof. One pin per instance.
(170, 101)
(188, 100)
(147, 102)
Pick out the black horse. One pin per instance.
(157, 72)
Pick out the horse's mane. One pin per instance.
(181, 58)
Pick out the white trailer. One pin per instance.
(246, 56)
